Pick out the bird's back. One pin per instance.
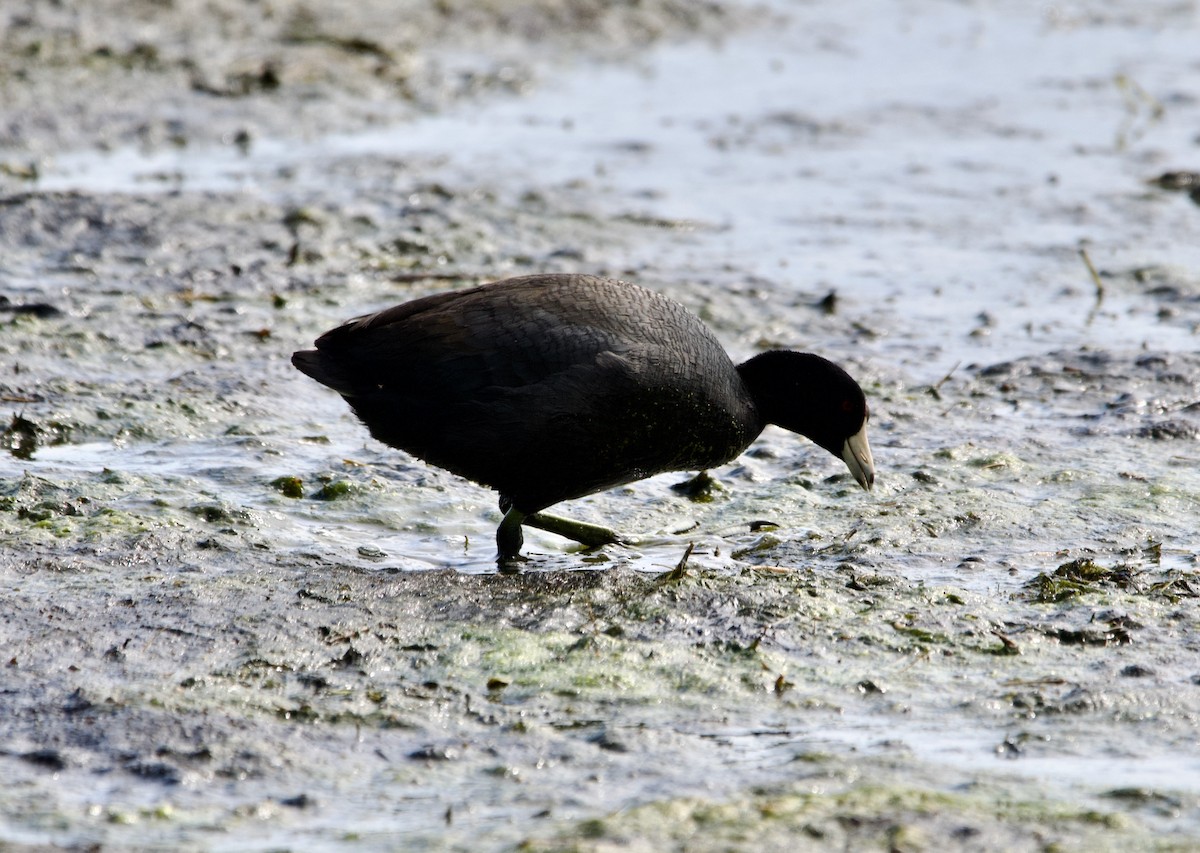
(544, 387)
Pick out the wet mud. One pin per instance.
(232, 621)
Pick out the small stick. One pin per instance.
(1087, 261)
(680, 569)
(413, 277)
(682, 566)
(935, 390)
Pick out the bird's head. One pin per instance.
(811, 395)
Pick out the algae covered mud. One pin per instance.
(231, 621)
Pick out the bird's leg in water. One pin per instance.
(509, 537)
(591, 535)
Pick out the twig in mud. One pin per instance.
(774, 570)
(415, 277)
(1049, 681)
(935, 390)
(1137, 101)
(1008, 644)
(680, 569)
(1135, 92)
(1091, 268)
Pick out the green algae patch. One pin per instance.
(833, 811)
(81, 511)
(605, 669)
(219, 513)
(1084, 576)
(1078, 577)
(289, 487)
(333, 490)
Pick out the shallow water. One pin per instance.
(938, 166)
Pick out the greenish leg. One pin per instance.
(591, 535)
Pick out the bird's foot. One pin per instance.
(511, 564)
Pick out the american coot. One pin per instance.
(551, 387)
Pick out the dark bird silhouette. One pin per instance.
(551, 387)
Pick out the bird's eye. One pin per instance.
(848, 406)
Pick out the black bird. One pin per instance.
(551, 387)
